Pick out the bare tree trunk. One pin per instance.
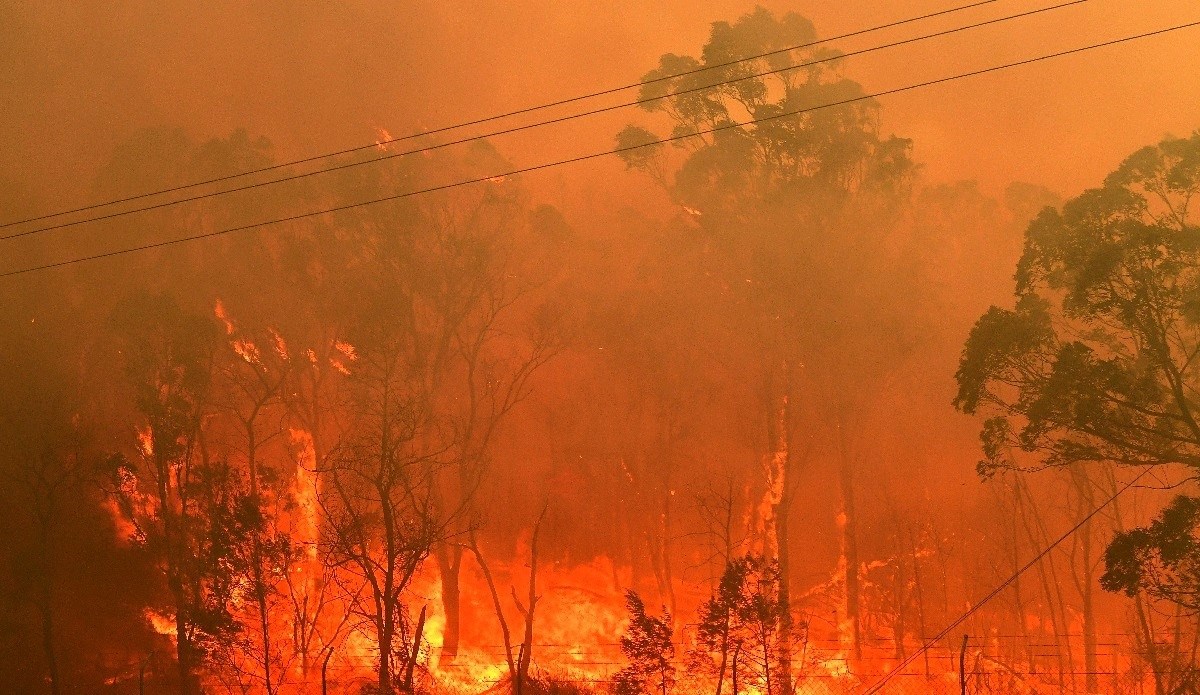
(1084, 580)
(47, 616)
(142, 676)
(850, 539)
(779, 483)
(1145, 636)
(900, 582)
(1063, 639)
(1195, 644)
(666, 575)
(183, 650)
(411, 666)
(256, 550)
(655, 543)
(325, 672)
(1048, 579)
(45, 592)
(631, 543)
(505, 634)
(528, 614)
(1150, 646)
(527, 609)
(734, 674)
(384, 673)
(173, 509)
(1022, 628)
(724, 654)
(918, 588)
(449, 559)
(766, 663)
(785, 595)
(1178, 669)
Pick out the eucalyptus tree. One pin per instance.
(437, 344)
(1099, 359)
(188, 507)
(785, 172)
(253, 367)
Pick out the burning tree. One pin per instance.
(445, 298)
(782, 204)
(432, 363)
(298, 481)
(253, 369)
(379, 509)
(193, 512)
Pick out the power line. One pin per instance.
(538, 124)
(878, 685)
(596, 155)
(508, 114)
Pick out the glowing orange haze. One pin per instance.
(317, 77)
(322, 80)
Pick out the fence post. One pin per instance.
(962, 665)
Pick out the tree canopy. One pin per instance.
(1099, 360)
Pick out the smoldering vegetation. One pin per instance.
(689, 426)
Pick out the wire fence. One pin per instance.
(1008, 664)
(1010, 683)
(1129, 682)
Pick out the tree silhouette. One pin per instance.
(782, 204)
(1100, 358)
(191, 510)
(650, 649)
(739, 633)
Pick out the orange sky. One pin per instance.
(78, 77)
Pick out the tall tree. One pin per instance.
(378, 503)
(48, 462)
(783, 204)
(430, 373)
(189, 508)
(253, 368)
(1099, 360)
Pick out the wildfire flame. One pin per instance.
(382, 138)
(145, 438)
(223, 316)
(161, 623)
